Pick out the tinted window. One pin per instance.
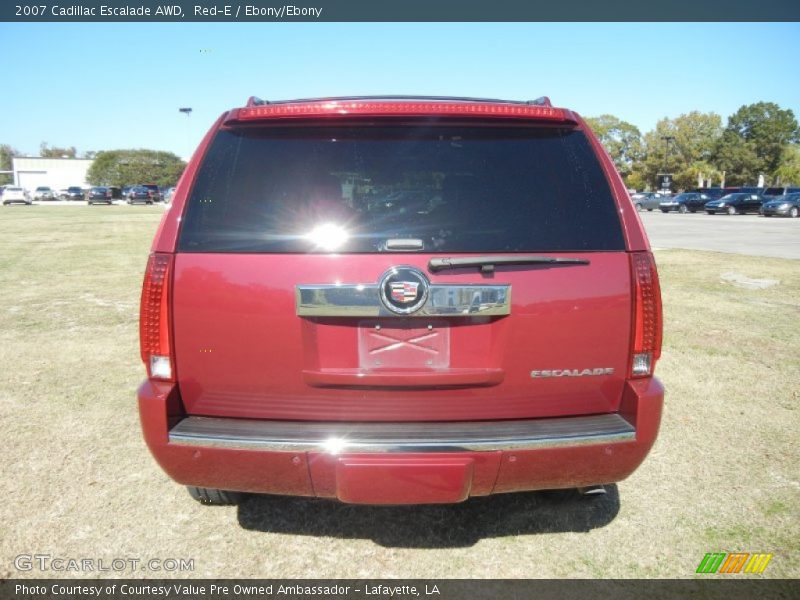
(458, 189)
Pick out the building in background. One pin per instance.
(57, 173)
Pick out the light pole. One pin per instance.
(188, 112)
(667, 139)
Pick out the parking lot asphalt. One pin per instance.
(739, 234)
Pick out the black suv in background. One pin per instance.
(686, 202)
(775, 192)
(99, 194)
(156, 191)
(140, 193)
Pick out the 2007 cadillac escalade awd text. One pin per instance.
(399, 300)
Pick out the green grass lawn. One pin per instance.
(78, 481)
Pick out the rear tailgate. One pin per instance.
(275, 209)
(242, 351)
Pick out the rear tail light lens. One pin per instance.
(154, 318)
(647, 315)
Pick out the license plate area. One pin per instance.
(403, 344)
(403, 480)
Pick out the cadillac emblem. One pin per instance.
(404, 290)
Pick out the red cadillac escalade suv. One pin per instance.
(399, 300)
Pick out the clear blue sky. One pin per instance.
(106, 86)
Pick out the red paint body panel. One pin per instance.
(576, 466)
(242, 352)
(416, 478)
(243, 470)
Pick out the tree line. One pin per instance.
(110, 167)
(758, 139)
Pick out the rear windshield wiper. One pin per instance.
(488, 263)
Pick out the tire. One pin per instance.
(664, 210)
(710, 212)
(794, 212)
(213, 497)
(683, 209)
(639, 207)
(731, 210)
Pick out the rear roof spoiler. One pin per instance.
(401, 106)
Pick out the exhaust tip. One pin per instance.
(592, 490)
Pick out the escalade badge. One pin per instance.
(404, 290)
(572, 372)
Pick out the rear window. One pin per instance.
(457, 189)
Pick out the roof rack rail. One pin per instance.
(540, 101)
(395, 97)
(256, 101)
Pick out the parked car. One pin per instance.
(783, 206)
(75, 193)
(301, 342)
(168, 195)
(738, 203)
(44, 192)
(15, 195)
(156, 191)
(683, 203)
(98, 195)
(126, 190)
(647, 200)
(140, 193)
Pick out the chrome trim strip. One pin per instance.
(335, 438)
(363, 300)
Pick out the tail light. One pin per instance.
(154, 318)
(647, 315)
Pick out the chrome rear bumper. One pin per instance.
(335, 438)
